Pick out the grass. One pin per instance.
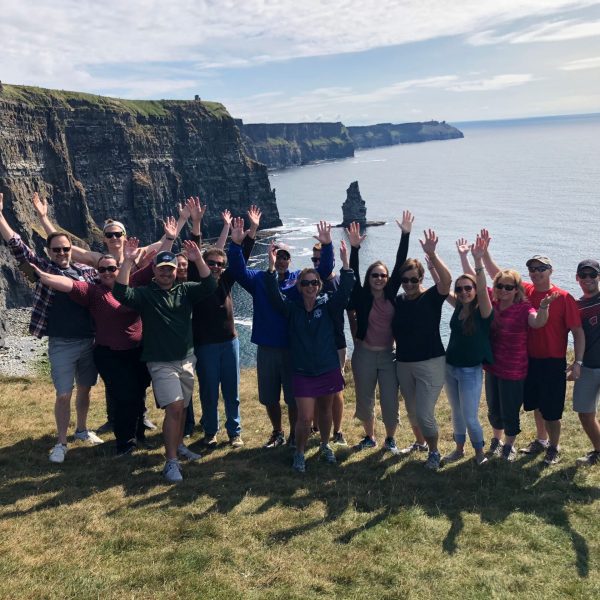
(243, 525)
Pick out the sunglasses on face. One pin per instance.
(539, 269)
(111, 269)
(113, 234)
(61, 249)
(506, 286)
(410, 280)
(463, 288)
(307, 282)
(378, 275)
(591, 275)
(315, 259)
(215, 263)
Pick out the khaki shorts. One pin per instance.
(173, 380)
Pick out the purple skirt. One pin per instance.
(321, 385)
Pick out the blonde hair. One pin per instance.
(516, 277)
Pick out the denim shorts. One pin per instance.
(71, 359)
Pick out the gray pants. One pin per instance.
(372, 368)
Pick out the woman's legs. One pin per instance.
(306, 408)
(459, 426)
(492, 398)
(325, 404)
(388, 391)
(470, 381)
(364, 368)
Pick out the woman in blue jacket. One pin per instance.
(315, 363)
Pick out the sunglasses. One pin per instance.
(463, 288)
(315, 260)
(215, 263)
(307, 282)
(379, 276)
(61, 249)
(539, 269)
(592, 275)
(113, 234)
(505, 286)
(111, 269)
(410, 280)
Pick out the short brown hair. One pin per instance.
(308, 271)
(217, 251)
(410, 264)
(107, 257)
(56, 234)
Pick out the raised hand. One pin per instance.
(549, 299)
(40, 205)
(196, 208)
(192, 250)
(237, 231)
(272, 255)
(254, 214)
(184, 211)
(131, 249)
(227, 218)
(479, 248)
(146, 258)
(323, 232)
(170, 227)
(429, 244)
(484, 234)
(407, 221)
(463, 246)
(344, 254)
(354, 236)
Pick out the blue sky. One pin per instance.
(359, 62)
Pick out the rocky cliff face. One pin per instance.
(354, 207)
(388, 134)
(97, 157)
(280, 145)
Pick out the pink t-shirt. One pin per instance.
(379, 330)
(509, 340)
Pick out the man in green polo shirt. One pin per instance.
(165, 307)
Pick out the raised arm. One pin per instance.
(325, 267)
(432, 271)
(340, 298)
(483, 297)
(429, 244)
(222, 240)
(278, 300)
(402, 253)
(540, 318)
(197, 211)
(490, 266)
(463, 247)
(121, 290)
(194, 255)
(254, 214)
(5, 229)
(59, 283)
(237, 267)
(356, 239)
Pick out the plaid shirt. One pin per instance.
(43, 295)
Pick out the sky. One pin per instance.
(355, 61)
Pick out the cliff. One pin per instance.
(279, 145)
(96, 157)
(388, 134)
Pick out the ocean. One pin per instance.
(533, 183)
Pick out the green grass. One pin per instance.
(243, 525)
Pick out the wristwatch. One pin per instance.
(579, 362)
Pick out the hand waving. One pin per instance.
(407, 221)
(354, 236)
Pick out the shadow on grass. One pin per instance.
(374, 483)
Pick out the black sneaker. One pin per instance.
(339, 439)
(106, 428)
(552, 456)
(277, 439)
(209, 441)
(535, 447)
(366, 442)
(496, 446)
(509, 453)
(591, 458)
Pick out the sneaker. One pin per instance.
(88, 436)
(299, 463)
(481, 459)
(366, 442)
(433, 461)
(496, 446)
(209, 441)
(552, 456)
(291, 442)
(236, 441)
(185, 453)
(509, 453)
(127, 450)
(326, 454)
(535, 447)
(414, 447)
(314, 431)
(275, 440)
(58, 453)
(148, 424)
(390, 444)
(172, 472)
(106, 428)
(339, 439)
(452, 457)
(591, 458)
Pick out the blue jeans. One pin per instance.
(219, 364)
(463, 388)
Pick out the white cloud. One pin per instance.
(498, 82)
(581, 64)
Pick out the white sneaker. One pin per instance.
(88, 436)
(172, 472)
(184, 452)
(58, 453)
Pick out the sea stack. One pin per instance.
(354, 208)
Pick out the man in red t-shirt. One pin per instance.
(545, 386)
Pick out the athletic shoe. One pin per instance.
(535, 447)
(390, 444)
(106, 428)
(209, 441)
(88, 436)
(452, 457)
(414, 447)
(127, 449)
(58, 453)
(148, 424)
(172, 471)
(552, 456)
(509, 453)
(433, 461)
(277, 439)
(299, 463)
(591, 458)
(184, 452)
(496, 446)
(236, 441)
(339, 439)
(481, 459)
(366, 442)
(314, 431)
(291, 441)
(326, 454)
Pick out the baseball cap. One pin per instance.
(542, 259)
(165, 258)
(589, 264)
(281, 247)
(110, 223)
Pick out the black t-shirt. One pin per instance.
(66, 318)
(416, 326)
(329, 287)
(589, 309)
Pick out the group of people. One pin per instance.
(139, 315)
